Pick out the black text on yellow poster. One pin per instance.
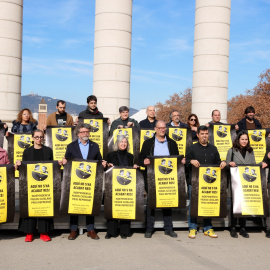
(166, 182)
(257, 142)
(96, 134)
(3, 194)
(124, 193)
(252, 201)
(40, 189)
(222, 139)
(82, 187)
(21, 142)
(145, 135)
(61, 137)
(209, 191)
(179, 135)
(127, 132)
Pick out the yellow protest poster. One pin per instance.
(96, 134)
(252, 201)
(209, 191)
(166, 182)
(3, 194)
(82, 187)
(145, 135)
(21, 142)
(179, 135)
(222, 139)
(61, 137)
(40, 190)
(127, 132)
(124, 193)
(257, 142)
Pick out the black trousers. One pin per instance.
(28, 225)
(89, 220)
(112, 225)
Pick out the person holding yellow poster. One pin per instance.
(159, 145)
(37, 152)
(241, 153)
(120, 157)
(201, 153)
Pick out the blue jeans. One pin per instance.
(192, 222)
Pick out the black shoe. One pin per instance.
(108, 236)
(233, 233)
(148, 234)
(244, 233)
(123, 236)
(171, 233)
(267, 233)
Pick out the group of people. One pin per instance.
(160, 144)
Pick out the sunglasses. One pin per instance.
(193, 119)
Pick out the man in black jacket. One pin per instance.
(83, 148)
(159, 145)
(150, 120)
(175, 120)
(201, 153)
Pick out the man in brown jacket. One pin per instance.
(60, 118)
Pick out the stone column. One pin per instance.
(112, 55)
(11, 18)
(211, 58)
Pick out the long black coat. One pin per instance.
(113, 158)
(28, 154)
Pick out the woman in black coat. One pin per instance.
(37, 152)
(120, 157)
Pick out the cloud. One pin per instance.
(74, 61)
(35, 40)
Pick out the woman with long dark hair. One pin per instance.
(240, 154)
(193, 123)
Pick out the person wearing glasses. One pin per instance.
(193, 123)
(25, 123)
(159, 145)
(36, 152)
(83, 148)
(175, 120)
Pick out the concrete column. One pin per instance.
(112, 55)
(211, 58)
(11, 18)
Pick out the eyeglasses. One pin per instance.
(25, 114)
(84, 131)
(193, 119)
(38, 137)
(176, 115)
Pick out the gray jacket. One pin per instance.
(238, 158)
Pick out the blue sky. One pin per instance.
(58, 48)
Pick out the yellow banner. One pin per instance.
(96, 134)
(222, 139)
(40, 189)
(209, 191)
(21, 142)
(166, 181)
(179, 135)
(145, 135)
(127, 132)
(257, 142)
(82, 187)
(61, 137)
(124, 193)
(3, 194)
(252, 201)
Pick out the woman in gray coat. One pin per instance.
(240, 154)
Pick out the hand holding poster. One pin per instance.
(82, 187)
(166, 182)
(124, 194)
(182, 136)
(222, 137)
(7, 193)
(249, 191)
(40, 188)
(209, 192)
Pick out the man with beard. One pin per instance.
(60, 118)
(197, 154)
(150, 120)
(249, 122)
(83, 148)
(175, 120)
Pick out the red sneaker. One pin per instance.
(29, 237)
(45, 237)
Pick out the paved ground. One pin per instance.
(137, 252)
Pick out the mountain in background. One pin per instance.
(31, 102)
